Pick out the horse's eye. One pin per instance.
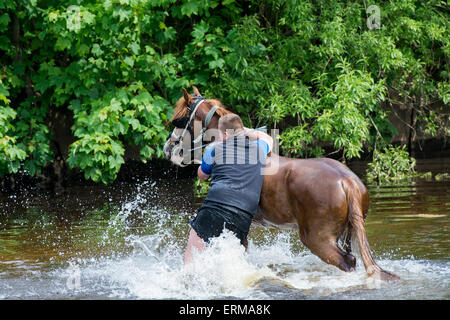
(181, 122)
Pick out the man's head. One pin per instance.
(230, 125)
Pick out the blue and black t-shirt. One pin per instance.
(236, 167)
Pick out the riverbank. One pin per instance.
(133, 170)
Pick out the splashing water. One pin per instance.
(270, 269)
(136, 252)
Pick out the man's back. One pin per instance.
(236, 167)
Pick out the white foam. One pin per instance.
(154, 269)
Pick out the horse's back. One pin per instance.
(323, 172)
(325, 177)
(305, 187)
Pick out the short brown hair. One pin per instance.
(230, 121)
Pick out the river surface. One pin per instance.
(126, 241)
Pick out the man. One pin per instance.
(236, 166)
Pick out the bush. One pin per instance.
(312, 69)
(201, 187)
(391, 164)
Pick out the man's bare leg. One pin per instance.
(196, 242)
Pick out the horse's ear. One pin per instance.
(196, 92)
(187, 97)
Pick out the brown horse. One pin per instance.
(321, 197)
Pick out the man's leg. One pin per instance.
(196, 242)
(239, 234)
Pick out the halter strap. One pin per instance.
(197, 104)
(210, 115)
(207, 121)
(192, 111)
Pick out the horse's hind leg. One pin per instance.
(347, 239)
(328, 250)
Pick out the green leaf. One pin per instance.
(134, 48)
(62, 44)
(189, 8)
(216, 63)
(122, 14)
(146, 152)
(96, 50)
(199, 30)
(129, 61)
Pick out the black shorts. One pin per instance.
(212, 219)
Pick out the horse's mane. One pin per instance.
(182, 111)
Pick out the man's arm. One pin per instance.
(257, 134)
(204, 170)
(201, 174)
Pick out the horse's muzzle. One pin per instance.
(174, 153)
(167, 149)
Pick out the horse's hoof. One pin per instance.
(350, 262)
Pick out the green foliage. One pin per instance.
(391, 164)
(108, 62)
(10, 153)
(33, 138)
(319, 72)
(129, 114)
(98, 156)
(201, 188)
(442, 176)
(312, 69)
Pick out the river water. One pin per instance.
(126, 241)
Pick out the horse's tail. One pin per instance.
(356, 220)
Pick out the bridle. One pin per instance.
(177, 151)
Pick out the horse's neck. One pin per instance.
(214, 123)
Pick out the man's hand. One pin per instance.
(201, 174)
(257, 134)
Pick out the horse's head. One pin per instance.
(192, 116)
